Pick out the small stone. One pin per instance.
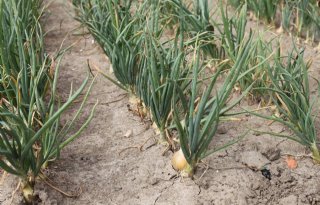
(272, 154)
(153, 181)
(254, 160)
(255, 133)
(266, 173)
(128, 134)
(117, 188)
(222, 130)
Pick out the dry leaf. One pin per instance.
(291, 162)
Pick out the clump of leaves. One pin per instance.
(291, 95)
(30, 110)
(117, 30)
(199, 124)
(297, 16)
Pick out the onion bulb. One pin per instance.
(145, 109)
(27, 191)
(133, 99)
(178, 161)
(155, 128)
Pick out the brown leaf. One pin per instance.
(291, 162)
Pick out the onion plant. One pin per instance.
(255, 75)
(198, 21)
(303, 20)
(161, 62)
(25, 149)
(199, 124)
(314, 13)
(233, 31)
(30, 110)
(303, 14)
(117, 30)
(263, 9)
(299, 16)
(291, 95)
(143, 61)
(161, 67)
(232, 35)
(286, 16)
(165, 62)
(18, 37)
(118, 27)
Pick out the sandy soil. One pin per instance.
(109, 168)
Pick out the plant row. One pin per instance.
(293, 16)
(185, 82)
(30, 108)
(173, 79)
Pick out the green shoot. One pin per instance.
(201, 119)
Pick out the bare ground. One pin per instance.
(109, 168)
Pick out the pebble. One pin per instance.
(272, 154)
(128, 134)
(222, 130)
(254, 160)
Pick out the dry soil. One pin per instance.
(106, 167)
